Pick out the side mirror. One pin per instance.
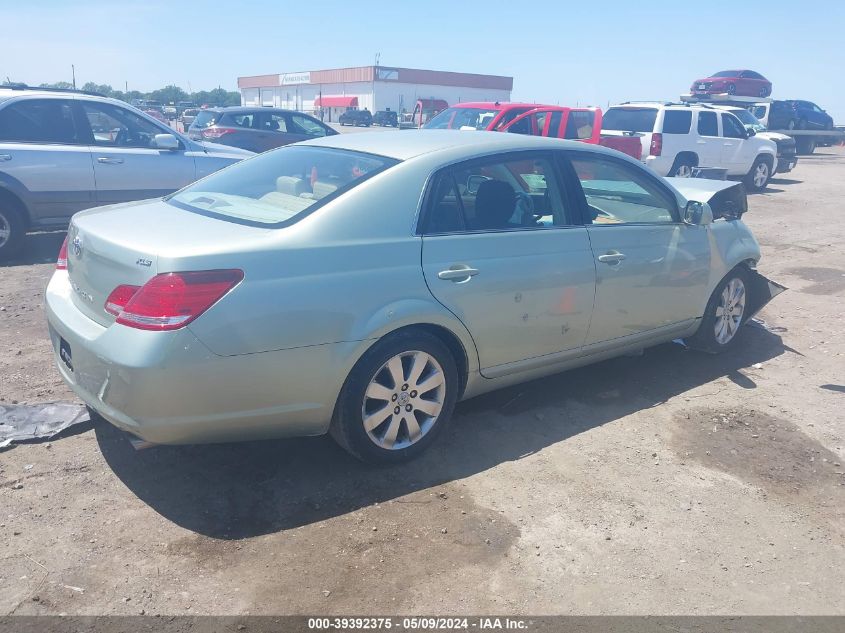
(751, 132)
(698, 213)
(166, 141)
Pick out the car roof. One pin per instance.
(411, 143)
(236, 109)
(497, 105)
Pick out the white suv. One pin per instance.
(64, 151)
(677, 137)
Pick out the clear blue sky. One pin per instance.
(558, 52)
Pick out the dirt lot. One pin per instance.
(674, 483)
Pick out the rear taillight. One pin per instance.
(170, 301)
(119, 297)
(656, 144)
(61, 261)
(216, 132)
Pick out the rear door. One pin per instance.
(44, 155)
(127, 166)
(652, 269)
(503, 250)
(243, 129)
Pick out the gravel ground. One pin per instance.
(673, 483)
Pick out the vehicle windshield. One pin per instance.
(206, 118)
(726, 73)
(280, 187)
(758, 112)
(457, 118)
(749, 120)
(629, 119)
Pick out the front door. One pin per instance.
(734, 147)
(651, 268)
(127, 166)
(502, 251)
(708, 145)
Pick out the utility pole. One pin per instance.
(73, 70)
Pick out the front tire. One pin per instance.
(758, 177)
(724, 315)
(12, 230)
(397, 399)
(731, 89)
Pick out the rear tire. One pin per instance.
(731, 89)
(725, 314)
(379, 420)
(12, 229)
(759, 175)
(806, 145)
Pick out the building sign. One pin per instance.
(388, 74)
(289, 79)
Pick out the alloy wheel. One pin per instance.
(403, 400)
(5, 230)
(761, 175)
(684, 171)
(729, 311)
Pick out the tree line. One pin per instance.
(166, 95)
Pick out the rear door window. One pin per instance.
(630, 119)
(677, 121)
(707, 124)
(515, 192)
(240, 119)
(579, 125)
(40, 121)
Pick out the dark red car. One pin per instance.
(742, 83)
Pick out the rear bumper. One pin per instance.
(168, 388)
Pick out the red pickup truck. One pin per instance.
(579, 124)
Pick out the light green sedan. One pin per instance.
(362, 284)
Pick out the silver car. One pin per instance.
(62, 151)
(362, 284)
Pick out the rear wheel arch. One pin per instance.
(689, 159)
(14, 201)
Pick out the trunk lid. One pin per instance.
(130, 243)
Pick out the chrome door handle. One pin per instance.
(457, 273)
(5, 157)
(611, 258)
(110, 161)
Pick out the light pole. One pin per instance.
(73, 71)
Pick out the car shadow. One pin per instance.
(39, 248)
(784, 181)
(234, 491)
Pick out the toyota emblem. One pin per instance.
(77, 246)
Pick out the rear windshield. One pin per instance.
(629, 119)
(280, 187)
(205, 118)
